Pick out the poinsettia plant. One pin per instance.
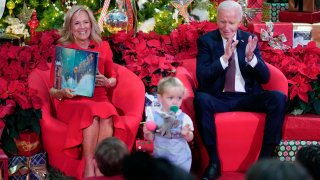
(301, 66)
(152, 56)
(19, 104)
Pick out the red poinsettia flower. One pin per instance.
(3, 88)
(8, 108)
(299, 86)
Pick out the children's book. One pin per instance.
(76, 69)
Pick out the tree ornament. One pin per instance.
(11, 5)
(69, 3)
(25, 14)
(116, 20)
(33, 23)
(182, 7)
(18, 1)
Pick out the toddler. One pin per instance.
(174, 129)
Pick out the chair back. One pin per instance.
(39, 80)
(128, 92)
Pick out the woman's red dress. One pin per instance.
(78, 112)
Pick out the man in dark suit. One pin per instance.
(230, 71)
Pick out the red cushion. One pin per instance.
(302, 127)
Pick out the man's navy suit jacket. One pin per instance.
(210, 73)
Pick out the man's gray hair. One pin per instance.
(230, 5)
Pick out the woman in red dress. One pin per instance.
(89, 119)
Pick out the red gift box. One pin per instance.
(257, 18)
(28, 144)
(279, 28)
(144, 146)
(304, 5)
(255, 3)
(301, 17)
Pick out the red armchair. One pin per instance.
(129, 103)
(239, 134)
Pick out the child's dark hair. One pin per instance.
(309, 157)
(274, 169)
(109, 155)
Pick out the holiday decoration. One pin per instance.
(52, 17)
(129, 13)
(275, 42)
(70, 3)
(182, 7)
(116, 20)
(248, 13)
(164, 22)
(11, 5)
(25, 14)
(33, 167)
(103, 14)
(33, 23)
(16, 27)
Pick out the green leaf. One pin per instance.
(297, 112)
(316, 106)
(7, 142)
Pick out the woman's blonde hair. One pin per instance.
(66, 34)
(169, 82)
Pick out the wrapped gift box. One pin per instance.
(301, 34)
(28, 143)
(144, 146)
(23, 168)
(17, 40)
(256, 18)
(304, 5)
(255, 3)
(279, 28)
(289, 148)
(277, 1)
(271, 11)
(299, 17)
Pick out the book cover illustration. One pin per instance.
(76, 69)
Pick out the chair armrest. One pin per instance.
(128, 95)
(129, 133)
(277, 81)
(186, 78)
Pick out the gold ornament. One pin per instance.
(182, 7)
(11, 5)
(25, 14)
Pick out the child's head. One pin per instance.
(171, 92)
(274, 169)
(309, 157)
(109, 155)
